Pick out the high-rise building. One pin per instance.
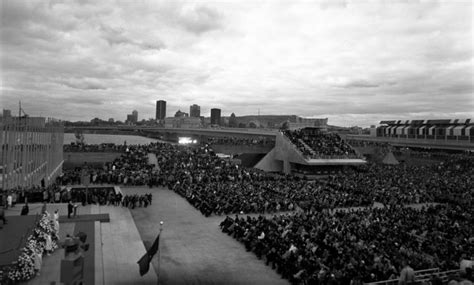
(160, 110)
(215, 116)
(134, 116)
(195, 111)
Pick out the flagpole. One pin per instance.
(159, 255)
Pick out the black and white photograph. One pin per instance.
(237, 142)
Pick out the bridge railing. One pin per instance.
(423, 276)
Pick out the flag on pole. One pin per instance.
(144, 262)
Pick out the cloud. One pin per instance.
(360, 84)
(199, 19)
(118, 37)
(349, 59)
(84, 84)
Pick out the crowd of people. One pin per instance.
(131, 168)
(215, 186)
(363, 143)
(96, 195)
(323, 145)
(104, 147)
(109, 196)
(133, 201)
(316, 242)
(354, 246)
(35, 194)
(240, 141)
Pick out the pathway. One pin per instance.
(193, 248)
(122, 247)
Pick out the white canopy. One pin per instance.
(457, 130)
(420, 130)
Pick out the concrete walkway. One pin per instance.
(122, 247)
(193, 248)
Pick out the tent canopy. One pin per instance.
(390, 159)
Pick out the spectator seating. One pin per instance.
(319, 146)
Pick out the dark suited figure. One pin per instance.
(25, 210)
(70, 209)
(2, 216)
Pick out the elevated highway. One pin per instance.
(173, 133)
(462, 145)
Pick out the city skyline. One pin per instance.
(355, 62)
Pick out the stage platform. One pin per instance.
(103, 218)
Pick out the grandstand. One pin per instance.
(309, 151)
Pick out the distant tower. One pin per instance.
(160, 110)
(134, 116)
(215, 116)
(195, 111)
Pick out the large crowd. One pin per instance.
(104, 147)
(350, 247)
(240, 141)
(317, 243)
(215, 186)
(324, 145)
(131, 168)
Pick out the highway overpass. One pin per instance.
(173, 133)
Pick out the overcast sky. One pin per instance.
(355, 62)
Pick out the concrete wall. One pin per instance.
(236, 149)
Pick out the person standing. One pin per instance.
(407, 275)
(25, 210)
(49, 245)
(70, 208)
(57, 197)
(9, 200)
(14, 198)
(45, 196)
(2, 216)
(38, 260)
(56, 221)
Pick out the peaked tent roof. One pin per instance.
(390, 159)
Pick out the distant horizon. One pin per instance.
(330, 122)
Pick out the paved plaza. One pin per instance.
(193, 248)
